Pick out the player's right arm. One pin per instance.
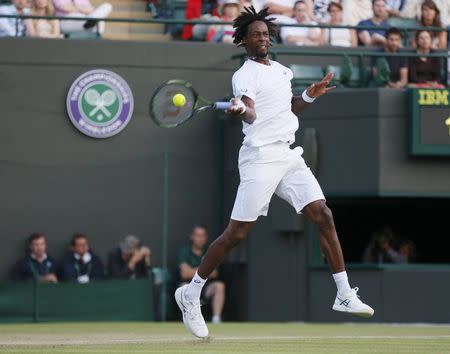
(243, 108)
(245, 85)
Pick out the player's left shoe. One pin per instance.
(351, 303)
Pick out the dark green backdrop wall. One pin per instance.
(55, 180)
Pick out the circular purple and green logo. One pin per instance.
(100, 103)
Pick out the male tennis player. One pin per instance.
(267, 165)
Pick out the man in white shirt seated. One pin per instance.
(8, 25)
(301, 35)
(283, 10)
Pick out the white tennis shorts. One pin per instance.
(274, 168)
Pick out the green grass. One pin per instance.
(132, 337)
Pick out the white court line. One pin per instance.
(213, 339)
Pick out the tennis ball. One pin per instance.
(179, 100)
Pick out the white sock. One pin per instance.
(216, 319)
(341, 281)
(194, 288)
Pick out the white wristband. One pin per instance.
(306, 98)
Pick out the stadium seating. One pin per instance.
(132, 31)
(305, 75)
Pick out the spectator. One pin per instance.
(280, 7)
(431, 18)
(130, 260)
(377, 35)
(228, 11)
(340, 37)
(81, 264)
(321, 13)
(8, 25)
(301, 35)
(394, 7)
(413, 9)
(37, 264)
(423, 71)
(356, 11)
(189, 259)
(398, 65)
(283, 10)
(81, 8)
(43, 27)
(380, 249)
(407, 250)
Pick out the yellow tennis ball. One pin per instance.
(179, 100)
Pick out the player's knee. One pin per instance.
(322, 215)
(240, 234)
(237, 233)
(325, 216)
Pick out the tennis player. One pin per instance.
(264, 101)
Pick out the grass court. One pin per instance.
(135, 337)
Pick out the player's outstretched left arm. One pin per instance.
(317, 89)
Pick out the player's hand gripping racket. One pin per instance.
(175, 102)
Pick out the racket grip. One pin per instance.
(222, 105)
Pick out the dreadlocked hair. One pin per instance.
(246, 18)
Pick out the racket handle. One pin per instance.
(222, 105)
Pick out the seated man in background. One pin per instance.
(8, 25)
(283, 10)
(81, 8)
(377, 35)
(36, 264)
(81, 264)
(301, 35)
(189, 259)
(130, 260)
(398, 65)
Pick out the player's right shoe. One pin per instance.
(192, 314)
(351, 303)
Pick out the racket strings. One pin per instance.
(164, 111)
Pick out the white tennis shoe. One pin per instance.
(192, 314)
(351, 303)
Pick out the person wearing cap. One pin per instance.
(130, 260)
(228, 10)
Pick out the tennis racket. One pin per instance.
(164, 112)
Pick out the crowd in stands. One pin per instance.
(129, 260)
(373, 19)
(10, 27)
(374, 15)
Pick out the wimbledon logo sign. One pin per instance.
(100, 103)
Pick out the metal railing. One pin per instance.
(210, 23)
(358, 54)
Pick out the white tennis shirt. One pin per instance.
(269, 86)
